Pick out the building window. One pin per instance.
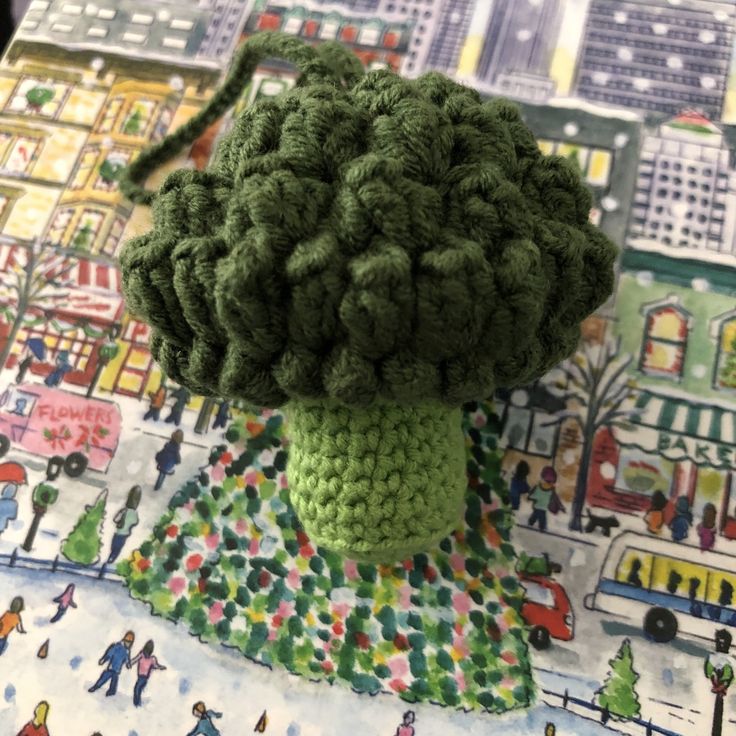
(163, 122)
(59, 226)
(181, 25)
(294, 22)
(87, 229)
(370, 34)
(110, 169)
(110, 246)
(269, 22)
(665, 341)
(330, 27)
(18, 153)
(530, 431)
(34, 96)
(725, 373)
(109, 115)
(138, 118)
(86, 164)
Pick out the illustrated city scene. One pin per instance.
(153, 576)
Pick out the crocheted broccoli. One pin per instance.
(369, 252)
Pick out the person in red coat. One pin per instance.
(37, 726)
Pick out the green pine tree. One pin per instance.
(728, 369)
(84, 542)
(82, 238)
(574, 158)
(618, 693)
(133, 123)
(38, 96)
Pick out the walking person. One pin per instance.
(182, 398)
(124, 521)
(682, 520)
(146, 664)
(24, 365)
(65, 602)
(62, 367)
(654, 517)
(542, 497)
(11, 621)
(168, 457)
(707, 528)
(116, 655)
(407, 724)
(37, 725)
(12, 475)
(205, 726)
(223, 415)
(156, 399)
(519, 485)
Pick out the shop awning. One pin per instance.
(680, 429)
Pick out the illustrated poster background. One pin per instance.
(600, 618)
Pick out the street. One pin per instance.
(671, 675)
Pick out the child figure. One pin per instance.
(655, 516)
(146, 664)
(707, 528)
(65, 601)
(37, 726)
(541, 497)
(407, 725)
(519, 485)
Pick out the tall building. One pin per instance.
(520, 39)
(657, 55)
(451, 31)
(684, 202)
(205, 31)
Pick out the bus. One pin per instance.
(646, 579)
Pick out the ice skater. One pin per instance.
(65, 601)
(116, 655)
(168, 457)
(37, 725)
(146, 662)
(11, 621)
(205, 726)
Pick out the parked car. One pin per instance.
(49, 421)
(546, 610)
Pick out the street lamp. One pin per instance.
(719, 669)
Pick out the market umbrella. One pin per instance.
(38, 347)
(12, 473)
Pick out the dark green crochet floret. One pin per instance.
(373, 252)
(387, 239)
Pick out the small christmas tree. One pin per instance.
(728, 370)
(618, 694)
(81, 239)
(133, 123)
(37, 97)
(83, 544)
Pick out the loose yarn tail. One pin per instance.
(329, 62)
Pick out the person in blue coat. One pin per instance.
(8, 506)
(117, 655)
(168, 457)
(519, 485)
(63, 366)
(205, 726)
(682, 520)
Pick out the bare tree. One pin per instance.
(36, 276)
(598, 393)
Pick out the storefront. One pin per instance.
(673, 445)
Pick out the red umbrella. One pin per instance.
(12, 473)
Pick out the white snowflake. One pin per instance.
(720, 15)
(608, 471)
(620, 140)
(707, 82)
(699, 370)
(520, 397)
(176, 83)
(707, 37)
(164, 15)
(601, 78)
(660, 29)
(571, 129)
(644, 278)
(620, 17)
(700, 284)
(609, 203)
(625, 54)
(569, 457)
(674, 62)
(97, 63)
(642, 84)
(523, 34)
(675, 2)
(455, 17)
(679, 210)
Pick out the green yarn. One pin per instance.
(362, 239)
(380, 483)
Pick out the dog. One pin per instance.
(604, 523)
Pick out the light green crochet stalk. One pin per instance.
(379, 483)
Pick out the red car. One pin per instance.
(546, 610)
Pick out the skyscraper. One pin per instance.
(450, 33)
(520, 40)
(657, 55)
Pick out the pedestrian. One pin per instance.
(8, 505)
(65, 601)
(707, 528)
(146, 664)
(37, 725)
(519, 485)
(720, 669)
(157, 399)
(204, 717)
(654, 517)
(680, 524)
(168, 457)
(542, 496)
(124, 521)
(63, 366)
(223, 415)
(11, 621)
(25, 363)
(116, 655)
(182, 397)
(407, 724)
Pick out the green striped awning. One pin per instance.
(681, 429)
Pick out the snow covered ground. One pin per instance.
(223, 679)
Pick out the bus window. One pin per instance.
(635, 568)
(676, 577)
(721, 587)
